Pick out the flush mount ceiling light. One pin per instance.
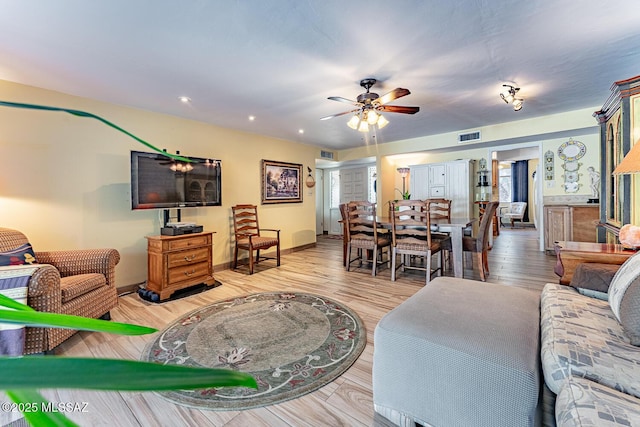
(509, 96)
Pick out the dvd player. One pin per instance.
(170, 230)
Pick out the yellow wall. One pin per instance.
(591, 158)
(64, 180)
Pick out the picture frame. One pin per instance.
(281, 182)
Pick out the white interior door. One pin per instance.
(353, 184)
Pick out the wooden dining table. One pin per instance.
(455, 227)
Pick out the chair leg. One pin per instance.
(278, 253)
(375, 261)
(235, 258)
(481, 267)
(348, 259)
(485, 262)
(393, 265)
(428, 267)
(250, 261)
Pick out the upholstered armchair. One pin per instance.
(515, 211)
(77, 282)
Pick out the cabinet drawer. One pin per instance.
(188, 272)
(436, 192)
(187, 257)
(188, 243)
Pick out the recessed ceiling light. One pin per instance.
(185, 99)
(300, 130)
(252, 118)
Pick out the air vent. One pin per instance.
(468, 137)
(326, 154)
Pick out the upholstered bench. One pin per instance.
(460, 353)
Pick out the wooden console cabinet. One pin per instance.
(177, 262)
(570, 254)
(575, 223)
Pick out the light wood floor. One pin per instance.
(513, 261)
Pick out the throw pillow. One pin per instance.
(21, 255)
(624, 297)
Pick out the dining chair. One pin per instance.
(343, 216)
(480, 244)
(248, 235)
(363, 235)
(439, 209)
(412, 238)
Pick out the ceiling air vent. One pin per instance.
(468, 137)
(326, 154)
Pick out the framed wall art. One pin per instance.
(281, 182)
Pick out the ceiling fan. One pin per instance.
(370, 105)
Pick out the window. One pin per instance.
(504, 182)
(372, 174)
(334, 177)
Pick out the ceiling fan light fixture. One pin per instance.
(372, 117)
(353, 122)
(382, 122)
(364, 126)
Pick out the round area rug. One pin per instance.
(292, 343)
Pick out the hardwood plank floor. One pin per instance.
(513, 261)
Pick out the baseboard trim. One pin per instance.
(127, 289)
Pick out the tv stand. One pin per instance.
(178, 262)
(167, 216)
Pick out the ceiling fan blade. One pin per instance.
(341, 99)
(394, 94)
(399, 109)
(339, 114)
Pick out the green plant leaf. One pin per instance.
(38, 372)
(37, 318)
(5, 301)
(37, 417)
(93, 116)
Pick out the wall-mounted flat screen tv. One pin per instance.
(159, 182)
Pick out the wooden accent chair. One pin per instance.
(79, 282)
(480, 244)
(248, 235)
(411, 236)
(363, 234)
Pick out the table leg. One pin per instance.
(456, 247)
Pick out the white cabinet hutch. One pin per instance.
(450, 180)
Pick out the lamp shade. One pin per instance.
(631, 162)
(403, 171)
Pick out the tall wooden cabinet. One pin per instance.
(451, 180)
(178, 262)
(619, 119)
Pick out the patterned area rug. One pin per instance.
(292, 343)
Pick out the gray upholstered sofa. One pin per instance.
(590, 350)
